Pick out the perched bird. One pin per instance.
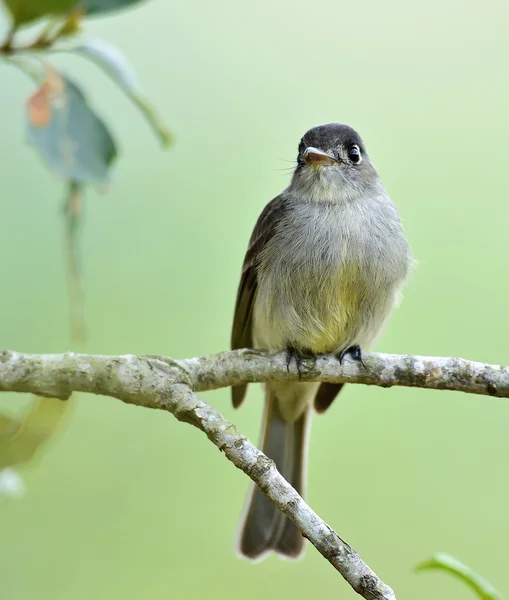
(324, 268)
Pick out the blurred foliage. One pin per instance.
(26, 11)
(116, 66)
(449, 564)
(73, 213)
(101, 6)
(22, 438)
(77, 146)
(72, 139)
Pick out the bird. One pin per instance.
(324, 268)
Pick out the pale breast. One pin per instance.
(329, 277)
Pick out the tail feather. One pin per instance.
(265, 527)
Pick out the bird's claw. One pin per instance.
(292, 353)
(353, 351)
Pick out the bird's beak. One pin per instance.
(315, 157)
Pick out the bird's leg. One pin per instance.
(353, 351)
(292, 353)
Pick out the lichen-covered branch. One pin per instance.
(385, 370)
(58, 375)
(167, 384)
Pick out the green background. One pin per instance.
(129, 503)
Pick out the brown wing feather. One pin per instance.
(242, 324)
(325, 395)
(242, 330)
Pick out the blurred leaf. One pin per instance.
(100, 6)
(20, 439)
(448, 563)
(74, 142)
(8, 427)
(72, 25)
(27, 65)
(111, 60)
(25, 11)
(116, 66)
(11, 484)
(73, 211)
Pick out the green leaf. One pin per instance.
(25, 11)
(71, 138)
(448, 563)
(117, 67)
(92, 7)
(111, 60)
(20, 439)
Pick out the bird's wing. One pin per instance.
(326, 395)
(242, 330)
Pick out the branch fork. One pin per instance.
(167, 384)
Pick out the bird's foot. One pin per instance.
(354, 352)
(292, 353)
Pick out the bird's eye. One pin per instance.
(354, 154)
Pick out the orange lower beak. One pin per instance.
(316, 157)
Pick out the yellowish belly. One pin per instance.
(320, 315)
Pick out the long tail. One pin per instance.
(264, 528)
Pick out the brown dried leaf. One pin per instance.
(39, 105)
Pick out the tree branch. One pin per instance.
(385, 370)
(163, 383)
